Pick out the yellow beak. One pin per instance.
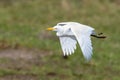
(50, 29)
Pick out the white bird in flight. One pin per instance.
(70, 33)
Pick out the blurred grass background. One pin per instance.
(23, 24)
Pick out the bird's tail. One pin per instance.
(99, 35)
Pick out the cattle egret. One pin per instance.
(70, 33)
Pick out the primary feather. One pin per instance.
(82, 34)
(68, 44)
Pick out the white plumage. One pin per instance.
(70, 33)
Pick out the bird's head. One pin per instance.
(60, 27)
(63, 28)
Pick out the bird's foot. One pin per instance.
(65, 57)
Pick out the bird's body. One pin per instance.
(70, 33)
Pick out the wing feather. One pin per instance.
(83, 37)
(68, 44)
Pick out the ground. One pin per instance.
(17, 64)
(19, 59)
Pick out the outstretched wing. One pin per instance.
(68, 44)
(83, 37)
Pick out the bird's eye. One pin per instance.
(61, 24)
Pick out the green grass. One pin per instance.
(24, 23)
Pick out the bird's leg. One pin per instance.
(98, 36)
(65, 57)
